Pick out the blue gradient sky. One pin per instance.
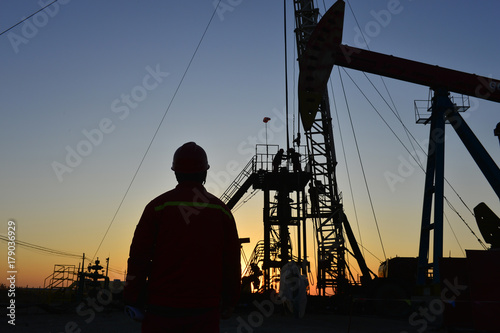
(73, 73)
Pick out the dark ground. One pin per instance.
(34, 317)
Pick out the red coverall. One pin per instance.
(186, 247)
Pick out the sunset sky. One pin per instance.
(85, 84)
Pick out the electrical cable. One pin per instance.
(418, 162)
(244, 201)
(408, 133)
(414, 158)
(362, 167)
(24, 19)
(398, 116)
(380, 260)
(294, 97)
(286, 76)
(41, 249)
(346, 166)
(470, 229)
(115, 270)
(454, 235)
(375, 109)
(158, 127)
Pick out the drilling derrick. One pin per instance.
(285, 204)
(326, 204)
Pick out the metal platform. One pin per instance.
(423, 108)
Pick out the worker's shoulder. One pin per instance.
(166, 196)
(185, 193)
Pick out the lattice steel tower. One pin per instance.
(326, 206)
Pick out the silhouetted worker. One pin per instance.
(277, 160)
(256, 274)
(295, 157)
(314, 197)
(184, 263)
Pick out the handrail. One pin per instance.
(240, 179)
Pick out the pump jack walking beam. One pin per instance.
(437, 78)
(432, 76)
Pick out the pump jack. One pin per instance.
(324, 50)
(319, 49)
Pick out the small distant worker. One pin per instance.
(295, 157)
(277, 160)
(184, 263)
(256, 274)
(314, 197)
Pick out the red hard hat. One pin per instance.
(190, 158)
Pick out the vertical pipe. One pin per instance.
(299, 219)
(107, 266)
(304, 231)
(81, 281)
(267, 240)
(284, 221)
(442, 104)
(83, 262)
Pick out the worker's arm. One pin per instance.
(139, 261)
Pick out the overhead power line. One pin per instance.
(26, 18)
(158, 128)
(42, 249)
(362, 166)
